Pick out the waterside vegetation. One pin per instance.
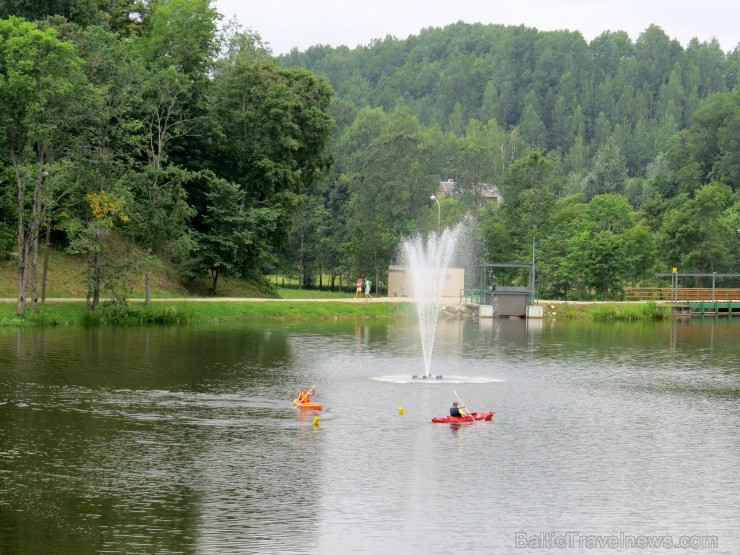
(609, 311)
(114, 312)
(192, 311)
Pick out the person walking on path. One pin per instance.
(358, 288)
(368, 283)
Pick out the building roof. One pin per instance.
(489, 191)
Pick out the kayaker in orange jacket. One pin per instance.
(305, 395)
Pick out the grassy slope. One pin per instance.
(66, 279)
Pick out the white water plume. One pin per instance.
(427, 263)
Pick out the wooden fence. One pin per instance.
(682, 294)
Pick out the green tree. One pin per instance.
(696, 236)
(233, 236)
(639, 246)
(529, 189)
(104, 167)
(389, 197)
(557, 275)
(82, 12)
(711, 145)
(532, 128)
(87, 235)
(608, 171)
(273, 129)
(44, 99)
(605, 264)
(179, 47)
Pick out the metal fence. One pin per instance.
(682, 294)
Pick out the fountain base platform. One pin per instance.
(415, 377)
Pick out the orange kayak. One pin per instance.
(307, 405)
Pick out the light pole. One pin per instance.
(439, 211)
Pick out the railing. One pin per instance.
(472, 296)
(682, 294)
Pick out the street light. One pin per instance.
(439, 211)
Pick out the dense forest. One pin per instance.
(620, 159)
(154, 124)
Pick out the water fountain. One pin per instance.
(427, 261)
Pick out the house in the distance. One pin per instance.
(488, 192)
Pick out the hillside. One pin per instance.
(66, 278)
(560, 92)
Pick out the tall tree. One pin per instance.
(273, 126)
(608, 171)
(390, 195)
(696, 236)
(180, 45)
(44, 97)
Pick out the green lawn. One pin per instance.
(177, 312)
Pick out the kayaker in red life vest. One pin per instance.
(305, 395)
(458, 411)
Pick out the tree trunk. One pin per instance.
(88, 279)
(147, 285)
(214, 274)
(96, 280)
(45, 273)
(35, 274)
(28, 231)
(22, 238)
(302, 277)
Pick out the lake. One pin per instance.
(616, 438)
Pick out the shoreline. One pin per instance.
(176, 311)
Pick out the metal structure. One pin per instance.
(486, 265)
(674, 281)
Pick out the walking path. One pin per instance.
(243, 299)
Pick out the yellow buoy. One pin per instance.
(400, 411)
(316, 421)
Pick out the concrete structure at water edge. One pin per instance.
(400, 282)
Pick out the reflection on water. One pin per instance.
(184, 440)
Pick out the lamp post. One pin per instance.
(439, 212)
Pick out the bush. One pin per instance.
(121, 312)
(647, 311)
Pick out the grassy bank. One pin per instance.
(607, 311)
(180, 312)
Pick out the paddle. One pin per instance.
(464, 405)
(307, 397)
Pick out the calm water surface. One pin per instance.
(184, 439)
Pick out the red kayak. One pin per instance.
(475, 416)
